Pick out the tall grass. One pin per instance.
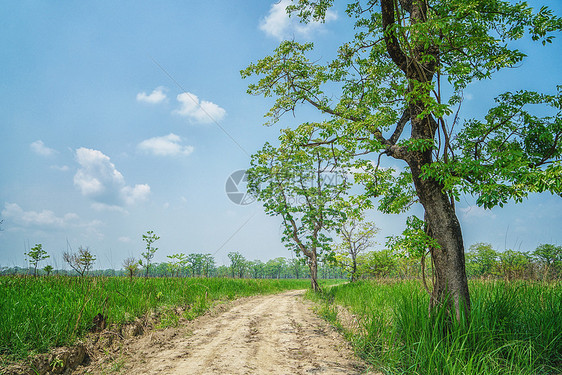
(514, 328)
(39, 313)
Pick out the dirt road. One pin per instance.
(275, 334)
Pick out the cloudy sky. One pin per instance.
(123, 117)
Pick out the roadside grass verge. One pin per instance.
(514, 328)
(37, 314)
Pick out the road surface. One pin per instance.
(273, 334)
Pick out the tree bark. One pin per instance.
(313, 265)
(451, 284)
(354, 268)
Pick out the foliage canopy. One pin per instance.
(406, 69)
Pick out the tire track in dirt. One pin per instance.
(275, 334)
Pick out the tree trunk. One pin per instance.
(451, 284)
(313, 265)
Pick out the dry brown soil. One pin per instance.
(275, 334)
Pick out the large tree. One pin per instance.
(391, 78)
(304, 186)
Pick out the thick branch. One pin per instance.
(331, 111)
(294, 232)
(397, 152)
(391, 41)
(400, 127)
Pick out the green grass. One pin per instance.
(514, 328)
(37, 314)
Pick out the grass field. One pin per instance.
(37, 314)
(514, 328)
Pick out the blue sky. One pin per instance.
(123, 117)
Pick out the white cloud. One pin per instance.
(476, 212)
(135, 194)
(103, 207)
(46, 218)
(168, 145)
(155, 97)
(40, 149)
(124, 239)
(47, 221)
(62, 168)
(97, 178)
(279, 25)
(199, 111)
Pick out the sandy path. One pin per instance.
(275, 334)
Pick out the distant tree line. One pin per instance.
(402, 259)
(482, 261)
(545, 262)
(179, 265)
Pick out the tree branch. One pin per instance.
(400, 127)
(392, 44)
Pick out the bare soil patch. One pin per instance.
(275, 334)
